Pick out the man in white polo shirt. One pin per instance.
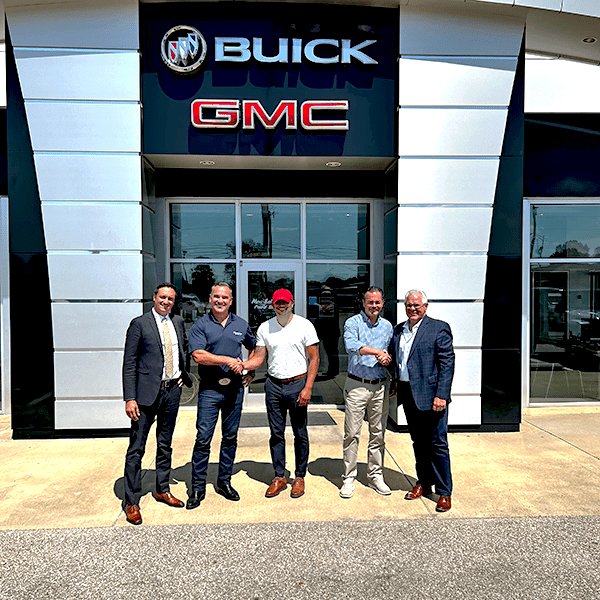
(292, 346)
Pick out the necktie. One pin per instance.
(168, 349)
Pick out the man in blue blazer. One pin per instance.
(423, 355)
(153, 373)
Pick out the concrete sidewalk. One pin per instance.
(550, 468)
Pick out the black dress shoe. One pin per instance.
(195, 499)
(227, 492)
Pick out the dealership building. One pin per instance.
(442, 145)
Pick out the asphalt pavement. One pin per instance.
(525, 521)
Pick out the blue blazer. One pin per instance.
(430, 362)
(143, 359)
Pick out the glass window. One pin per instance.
(337, 231)
(270, 230)
(195, 280)
(567, 231)
(333, 295)
(565, 336)
(203, 231)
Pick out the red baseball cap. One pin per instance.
(284, 295)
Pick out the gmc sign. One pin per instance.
(229, 114)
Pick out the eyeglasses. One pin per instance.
(414, 305)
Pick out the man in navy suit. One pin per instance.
(421, 349)
(153, 373)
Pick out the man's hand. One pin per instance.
(383, 358)
(132, 409)
(304, 397)
(247, 378)
(438, 404)
(236, 365)
(393, 388)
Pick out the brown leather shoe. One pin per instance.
(134, 516)
(169, 499)
(278, 484)
(417, 492)
(443, 504)
(298, 487)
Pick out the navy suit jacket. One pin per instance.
(143, 359)
(430, 362)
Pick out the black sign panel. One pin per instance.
(251, 79)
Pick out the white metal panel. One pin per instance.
(442, 277)
(430, 30)
(76, 24)
(92, 226)
(88, 374)
(92, 325)
(545, 4)
(444, 229)
(89, 177)
(3, 98)
(465, 320)
(95, 276)
(590, 8)
(86, 126)
(463, 410)
(451, 132)
(447, 180)
(467, 372)
(5, 329)
(456, 81)
(79, 75)
(564, 86)
(90, 414)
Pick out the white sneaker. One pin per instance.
(347, 489)
(379, 485)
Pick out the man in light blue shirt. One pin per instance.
(367, 337)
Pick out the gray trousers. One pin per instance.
(372, 400)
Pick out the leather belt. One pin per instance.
(169, 383)
(289, 380)
(362, 380)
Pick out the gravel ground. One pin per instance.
(540, 558)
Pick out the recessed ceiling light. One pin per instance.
(206, 163)
(589, 40)
(333, 163)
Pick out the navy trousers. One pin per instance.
(228, 401)
(429, 434)
(281, 399)
(164, 409)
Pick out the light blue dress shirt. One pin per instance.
(360, 332)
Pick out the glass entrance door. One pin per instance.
(258, 281)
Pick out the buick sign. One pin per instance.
(183, 49)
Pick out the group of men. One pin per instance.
(417, 353)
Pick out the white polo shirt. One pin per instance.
(286, 346)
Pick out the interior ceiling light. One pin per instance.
(333, 163)
(589, 40)
(206, 163)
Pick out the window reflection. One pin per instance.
(569, 231)
(333, 295)
(565, 337)
(203, 231)
(337, 231)
(194, 281)
(270, 230)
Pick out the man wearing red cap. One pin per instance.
(291, 345)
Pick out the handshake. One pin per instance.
(236, 365)
(383, 358)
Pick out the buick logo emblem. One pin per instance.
(183, 49)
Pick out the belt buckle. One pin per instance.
(224, 381)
